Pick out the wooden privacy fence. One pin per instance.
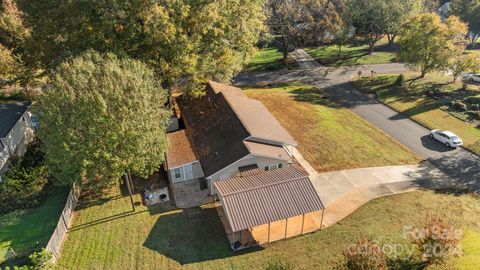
(55, 243)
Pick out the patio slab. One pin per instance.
(188, 194)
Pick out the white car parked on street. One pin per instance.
(446, 137)
(471, 77)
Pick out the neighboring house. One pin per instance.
(16, 130)
(233, 147)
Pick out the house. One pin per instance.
(234, 150)
(225, 132)
(16, 130)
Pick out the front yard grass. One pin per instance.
(413, 102)
(353, 54)
(29, 230)
(330, 137)
(269, 59)
(107, 235)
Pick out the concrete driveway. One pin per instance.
(343, 192)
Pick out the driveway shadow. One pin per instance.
(435, 145)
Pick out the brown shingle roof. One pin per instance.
(180, 151)
(215, 132)
(255, 117)
(267, 197)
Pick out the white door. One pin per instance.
(188, 172)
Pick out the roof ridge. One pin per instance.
(267, 185)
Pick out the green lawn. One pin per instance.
(268, 59)
(353, 54)
(330, 137)
(413, 102)
(109, 236)
(28, 230)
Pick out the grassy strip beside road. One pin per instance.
(268, 59)
(107, 235)
(330, 137)
(353, 54)
(28, 230)
(413, 102)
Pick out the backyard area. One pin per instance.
(435, 102)
(330, 137)
(354, 54)
(29, 230)
(268, 59)
(107, 235)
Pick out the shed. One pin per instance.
(269, 206)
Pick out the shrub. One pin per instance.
(33, 156)
(475, 115)
(439, 239)
(22, 188)
(460, 106)
(473, 100)
(475, 107)
(400, 80)
(365, 254)
(41, 260)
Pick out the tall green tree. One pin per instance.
(190, 40)
(427, 44)
(469, 12)
(369, 19)
(297, 22)
(398, 11)
(102, 116)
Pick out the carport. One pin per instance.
(269, 206)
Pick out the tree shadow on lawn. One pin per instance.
(351, 57)
(313, 96)
(190, 236)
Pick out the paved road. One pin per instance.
(462, 166)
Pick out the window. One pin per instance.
(273, 167)
(177, 173)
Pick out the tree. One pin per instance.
(12, 31)
(430, 6)
(8, 65)
(462, 63)
(469, 12)
(427, 44)
(298, 22)
(102, 116)
(398, 11)
(13, 35)
(190, 40)
(369, 19)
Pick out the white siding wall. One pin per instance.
(17, 139)
(197, 172)
(232, 170)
